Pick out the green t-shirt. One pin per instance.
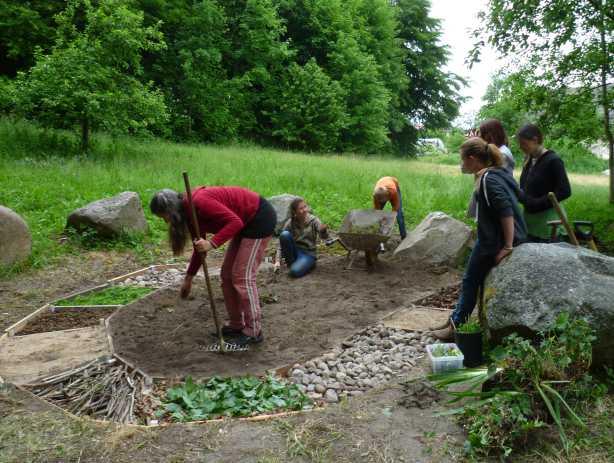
(537, 223)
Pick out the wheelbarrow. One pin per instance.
(365, 230)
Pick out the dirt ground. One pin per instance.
(22, 294)
(311, 315)
(376, 427)
(165, 336)
(24, 359)
(66, 319)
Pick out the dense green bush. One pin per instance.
(310, 110)
(211, 70)
(91, 77)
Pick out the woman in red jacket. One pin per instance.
(232, 214)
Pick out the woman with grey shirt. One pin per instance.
(492, 131)
(297, 241)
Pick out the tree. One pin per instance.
(429, 97)
(310, 113)
(203, 103)
(24, 26)
(518, 98)
(91, 76)
(567, 45)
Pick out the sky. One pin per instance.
(458, 18)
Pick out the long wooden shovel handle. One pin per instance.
(559, 211)
(203, 258)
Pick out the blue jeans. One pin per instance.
(299, 261)
(400, 218)
(475, 273)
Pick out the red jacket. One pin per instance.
(223, 211)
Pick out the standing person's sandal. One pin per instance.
(446, 334)
(441, 326)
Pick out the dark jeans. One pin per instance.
(475, 273)
(300, 262)
(400, 218)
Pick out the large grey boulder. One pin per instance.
(111, 216)
(528, 290)
(15, 238)
(281, 204)
(438, 240)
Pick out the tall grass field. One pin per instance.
(43, 178)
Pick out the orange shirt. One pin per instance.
(392, 185)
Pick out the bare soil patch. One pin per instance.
(24, 359)
(444, 298)
(26, 292)
(66, 319)
(166, 336)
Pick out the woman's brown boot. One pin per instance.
(441, 326)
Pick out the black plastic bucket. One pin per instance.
(470, 345)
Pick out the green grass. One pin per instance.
(43, 179)
(113, 295)
(577, 158)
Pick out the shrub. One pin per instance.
(531, 384)
(310, 112)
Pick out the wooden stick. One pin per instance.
(203, 258)
(559, 211)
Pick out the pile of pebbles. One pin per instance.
(156, 278)
(369, 358)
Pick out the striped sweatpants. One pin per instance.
(238, 274)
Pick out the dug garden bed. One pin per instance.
(83, 310)
(166, 336)
(66, 319)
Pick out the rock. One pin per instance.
(438, 240)
(314, 395)
(320, 388)
(281, 204)
(111, 216)
(331, 396)
(311, 388)
(15, 238)
(527, 291)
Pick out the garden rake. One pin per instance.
(222, 346)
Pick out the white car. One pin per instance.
(436, 143)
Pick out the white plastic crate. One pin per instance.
(442, 364)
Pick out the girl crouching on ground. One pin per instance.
(297, 241)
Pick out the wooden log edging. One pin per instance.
(19, 325)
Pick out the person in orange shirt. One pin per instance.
(387, 190)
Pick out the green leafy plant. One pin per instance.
(500, 424)
(217, 397)
(113, 295)
(471, 326)
(445, 351)
(526, 385)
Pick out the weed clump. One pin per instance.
(528, 385)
